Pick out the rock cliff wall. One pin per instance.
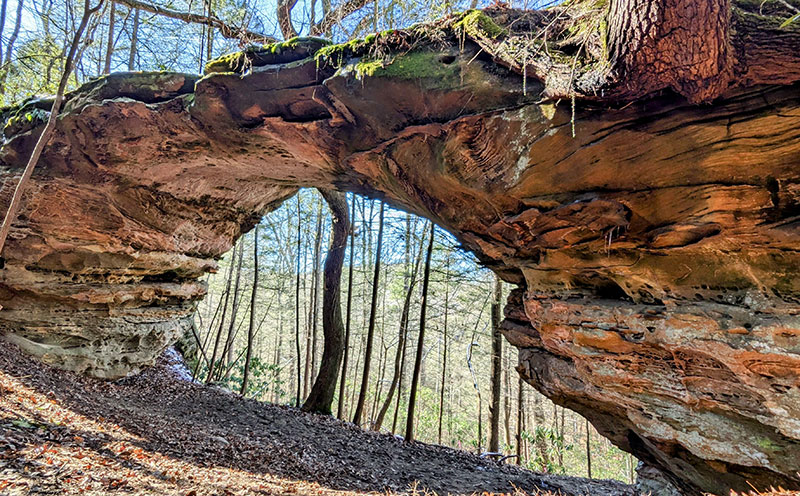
(655, 243)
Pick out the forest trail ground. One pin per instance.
(61, 433)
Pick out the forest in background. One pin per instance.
(455, 393)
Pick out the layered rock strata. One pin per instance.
(655, 243)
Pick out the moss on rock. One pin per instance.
(417, 65)
(476, 24)
(283, 52)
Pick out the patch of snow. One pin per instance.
(176, 364)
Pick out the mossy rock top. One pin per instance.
(270, 54)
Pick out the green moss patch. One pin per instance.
(283, 52)
(417, 65)
(477, 24)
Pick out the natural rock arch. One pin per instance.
(654, 242)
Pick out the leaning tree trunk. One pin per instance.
(227, 351)
(320, 398)
(229, 281)
(396, 371)
(69, 65)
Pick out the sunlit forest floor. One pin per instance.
(157, 433)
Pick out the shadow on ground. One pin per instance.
(61, 433)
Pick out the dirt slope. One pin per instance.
(157, 434)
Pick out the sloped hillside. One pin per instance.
(157, 433)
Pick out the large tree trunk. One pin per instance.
(678, 44)
(321, 397)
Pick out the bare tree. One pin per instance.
(227, 351)
(412, 400)
(284, 15)
(313, 313)
(520, 417)
(321, 397)
(10, 47)
(47, 132)
(497, 368)
(251, 327)
(362, 394)
(340, 409)
(443, 384)
(297, 306)
(134, 41)
(110, 40)
(3, 7)
(209, 376)
(401, 346)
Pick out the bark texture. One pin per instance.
(653, 242)
(683, 44)
(320, 399)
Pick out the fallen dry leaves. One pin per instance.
(155, 434)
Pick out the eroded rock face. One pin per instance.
(656, 250)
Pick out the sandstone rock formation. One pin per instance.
(655, 243)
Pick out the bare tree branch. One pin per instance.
(225, 30)
(69, 64)
(336, 16)
(285, 18)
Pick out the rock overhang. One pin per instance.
(654, 242)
